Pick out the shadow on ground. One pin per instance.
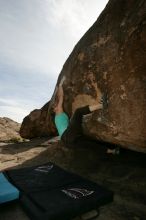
(13, 148)
(125, 174)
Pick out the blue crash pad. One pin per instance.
(8, 192)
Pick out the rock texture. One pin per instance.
(110, 62)
(9, 130)
(38, 123)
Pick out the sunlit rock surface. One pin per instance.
(9, 130)
(110, 62)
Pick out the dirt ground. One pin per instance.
(125, 174)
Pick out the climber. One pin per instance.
(70, 131)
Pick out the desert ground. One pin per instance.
(124, 174)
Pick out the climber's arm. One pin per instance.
(59, 106)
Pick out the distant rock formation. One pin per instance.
(110, 62)
(9, 130)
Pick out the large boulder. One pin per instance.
(39, 123)
(110, 62)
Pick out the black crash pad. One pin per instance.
(49, 192)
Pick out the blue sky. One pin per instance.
(36, 38)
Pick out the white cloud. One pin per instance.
(34, 44)
(14, 112)
(27, 44)
(74, 16)
(13, 109)
(36, 39)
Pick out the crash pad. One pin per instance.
(49, 192)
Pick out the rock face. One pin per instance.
(38, 123)
(9, 130)
(110, 62)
